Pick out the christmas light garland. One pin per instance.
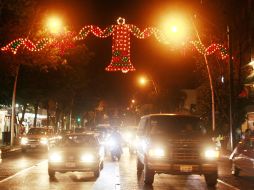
(120, 60)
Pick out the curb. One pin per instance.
(6, 151)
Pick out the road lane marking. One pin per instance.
(22, 171)
(227, 184)
(117, 177)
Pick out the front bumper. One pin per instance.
(34, 146)
(73, 166)
(183, 167)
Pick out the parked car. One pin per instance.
(80, 152)
(38, 138)
(243, 157)
(175, 144)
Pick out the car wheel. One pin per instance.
(23, 150)
(211, 179)
(148, 176)
(235, 170)
(51, 173)
(140, 166)
(118, 157)
(97, 173)
(102, 165)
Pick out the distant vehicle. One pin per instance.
(76, 152)
(129, 137)
(80, 130)
(38, 138)
(175, 144)
(115, 145)
(65, 132)
(243, 157)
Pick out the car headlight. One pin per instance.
(111, 143)
(44, 140)
(156, 152)
(24, 141)
(211, 153)
(55, 157)
(127, 136)
(87, 157)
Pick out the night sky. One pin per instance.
(170, 69)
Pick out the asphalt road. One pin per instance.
(29, 172)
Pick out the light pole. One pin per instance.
(144, 80)
(173, 29)
(54, 25)
(209, 76)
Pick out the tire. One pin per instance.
(235, 170)
(211, 179)
(148, 176)
(140, 166)
(97, 173)
(112, 157)
(51, 173)
(119, 157)
(101, 165)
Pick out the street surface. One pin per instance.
(29, 172)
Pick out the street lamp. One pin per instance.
(174, 29)
(144, 80)
(54, 25)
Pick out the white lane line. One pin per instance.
(117, 178)
(22, 171)
(224, 183)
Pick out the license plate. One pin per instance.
(33, 145)
(70, 164)
(185, 168)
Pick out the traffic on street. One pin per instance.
(28, 171)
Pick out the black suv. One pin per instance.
(175, 144)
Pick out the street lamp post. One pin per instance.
(144, 80)
(210, 79)
(174, 30)
(54, 25)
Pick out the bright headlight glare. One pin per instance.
(24, 140)
(55, 157)
(156, 152)
(44, 141)
(127, 135)
(211, 153)
(87, 158)
(111, 142)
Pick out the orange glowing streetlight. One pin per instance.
(175, 28)
(54, 25)
(144, 80)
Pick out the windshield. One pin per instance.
(175, 125)
(37, 131)
(78, 140)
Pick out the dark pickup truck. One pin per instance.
(175, 144)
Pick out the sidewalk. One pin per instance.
(7, 149)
